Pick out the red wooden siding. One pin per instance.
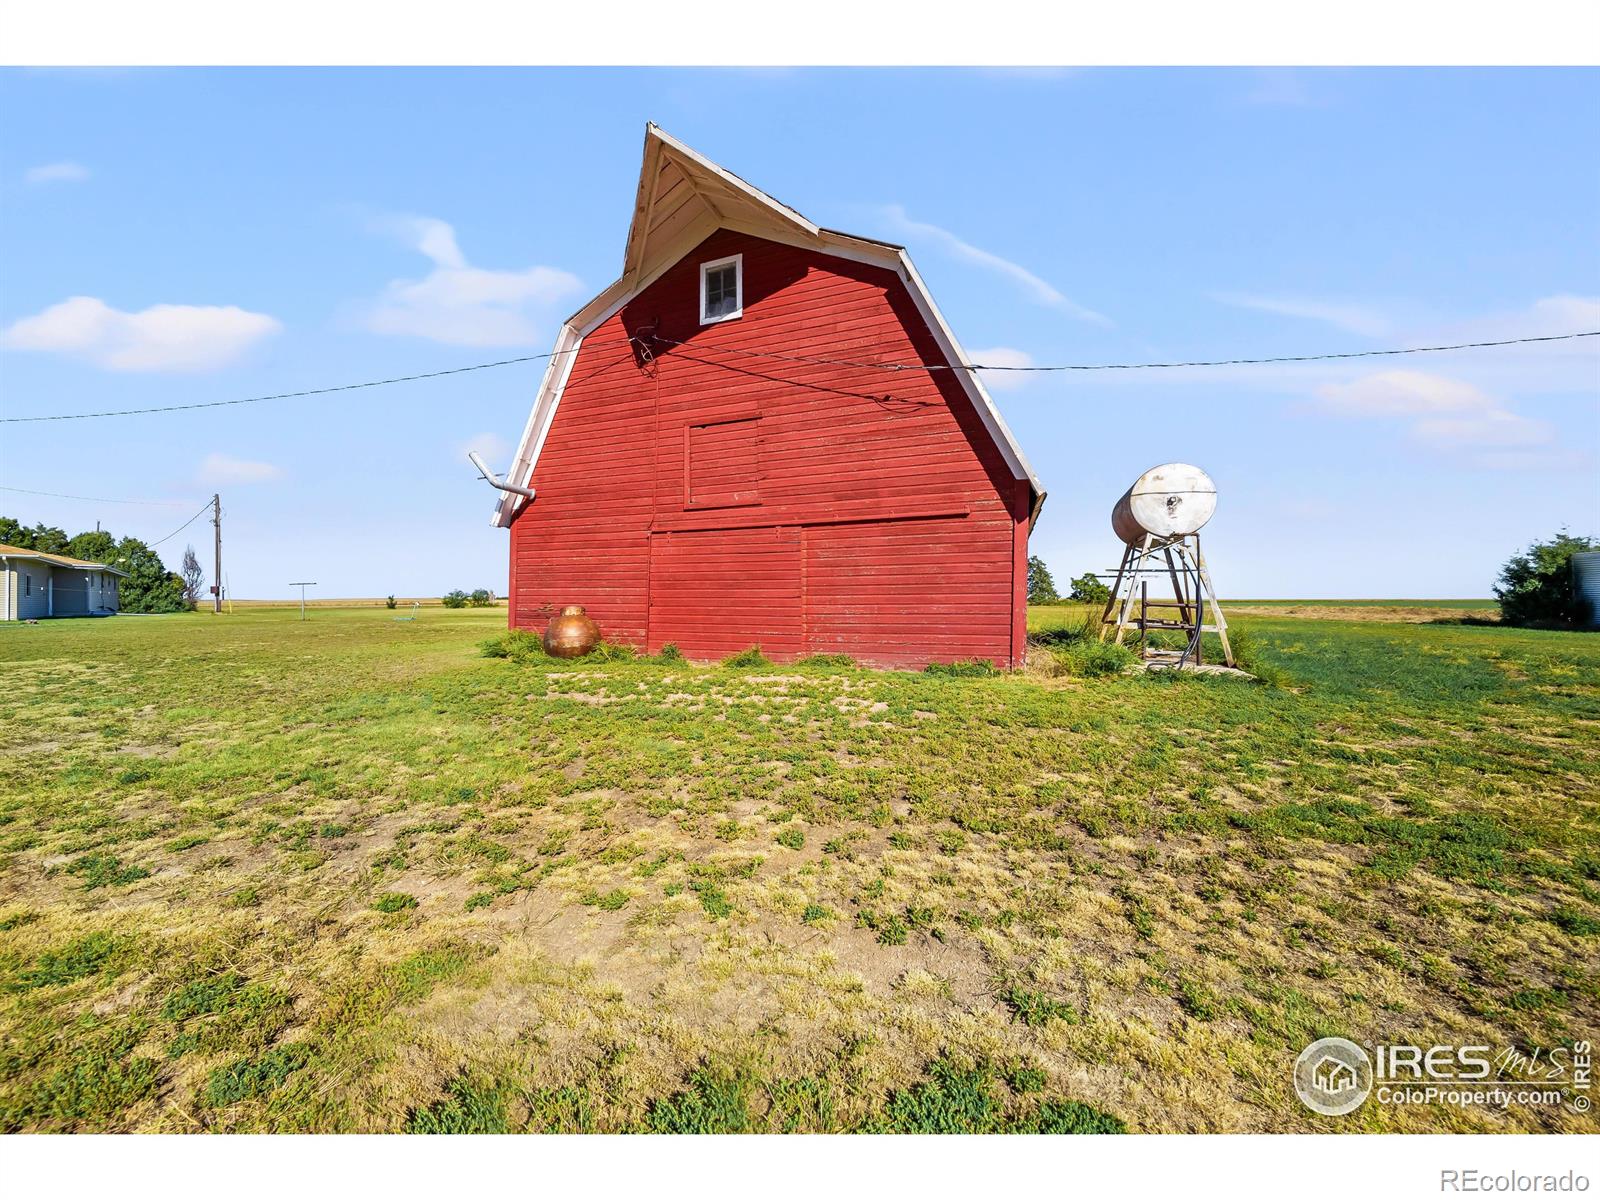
(710, 497)
(746, 580)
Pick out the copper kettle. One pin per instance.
(572, 633)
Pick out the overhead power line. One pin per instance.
(1140, 366)
(180, 528)
(343, 387)
(879, 366)
(93, 499)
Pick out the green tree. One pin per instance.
(1537, 587)
(1086, 589)
(13, 533)
(47, 539)
(150, 587)
(96, 546)
(1041, 587)
(455, 599)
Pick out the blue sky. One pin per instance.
(176, 236)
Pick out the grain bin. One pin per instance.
(1586, 581)
(1171, 500)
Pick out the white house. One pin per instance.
(34, 584)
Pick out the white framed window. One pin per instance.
(722, 290)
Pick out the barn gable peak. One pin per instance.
(684, 196)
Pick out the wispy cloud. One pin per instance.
(1351, 317)
(1034, 287)
(1442, 414)
(1002, 356)
(217, 470)
(56, 172)
(493, 448)
(458, 303)
(163, 337)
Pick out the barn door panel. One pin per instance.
(715, 592)
(908, 592)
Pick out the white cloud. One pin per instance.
(493, 448)
(1352, 318)
(1037, 289)
(1439, 412)
(1002, 356)
(57, 172)
(218, 470)
(163, 337)
(460, 304)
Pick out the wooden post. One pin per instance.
(216, 578)
(1216, 609)
(1137, 565)
(1116, 590)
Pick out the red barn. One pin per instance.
(760, 435)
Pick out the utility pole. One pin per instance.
(216, 579)
(303, 585)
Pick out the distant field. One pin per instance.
(351, 875)
(1466, 604)
(347, 602)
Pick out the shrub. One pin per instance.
(671, 655)
(389, 601)
(963, 668)
(826, 660)
(481, 598)
(455, 599)
(1095, 659)
(748, 658)
(1538, 586)
(516, 644)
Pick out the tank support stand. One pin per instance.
(1129, 607)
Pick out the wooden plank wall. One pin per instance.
(907, 537)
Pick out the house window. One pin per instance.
(722, 290)
(27, 585)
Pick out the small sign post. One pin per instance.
(303, 585)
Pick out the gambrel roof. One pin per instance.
(683, 198)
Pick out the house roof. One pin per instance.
(59, 560)
(683, 198)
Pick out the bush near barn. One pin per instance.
(1538, 587)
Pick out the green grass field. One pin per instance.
(352, 875)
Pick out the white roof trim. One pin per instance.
(643, 264)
